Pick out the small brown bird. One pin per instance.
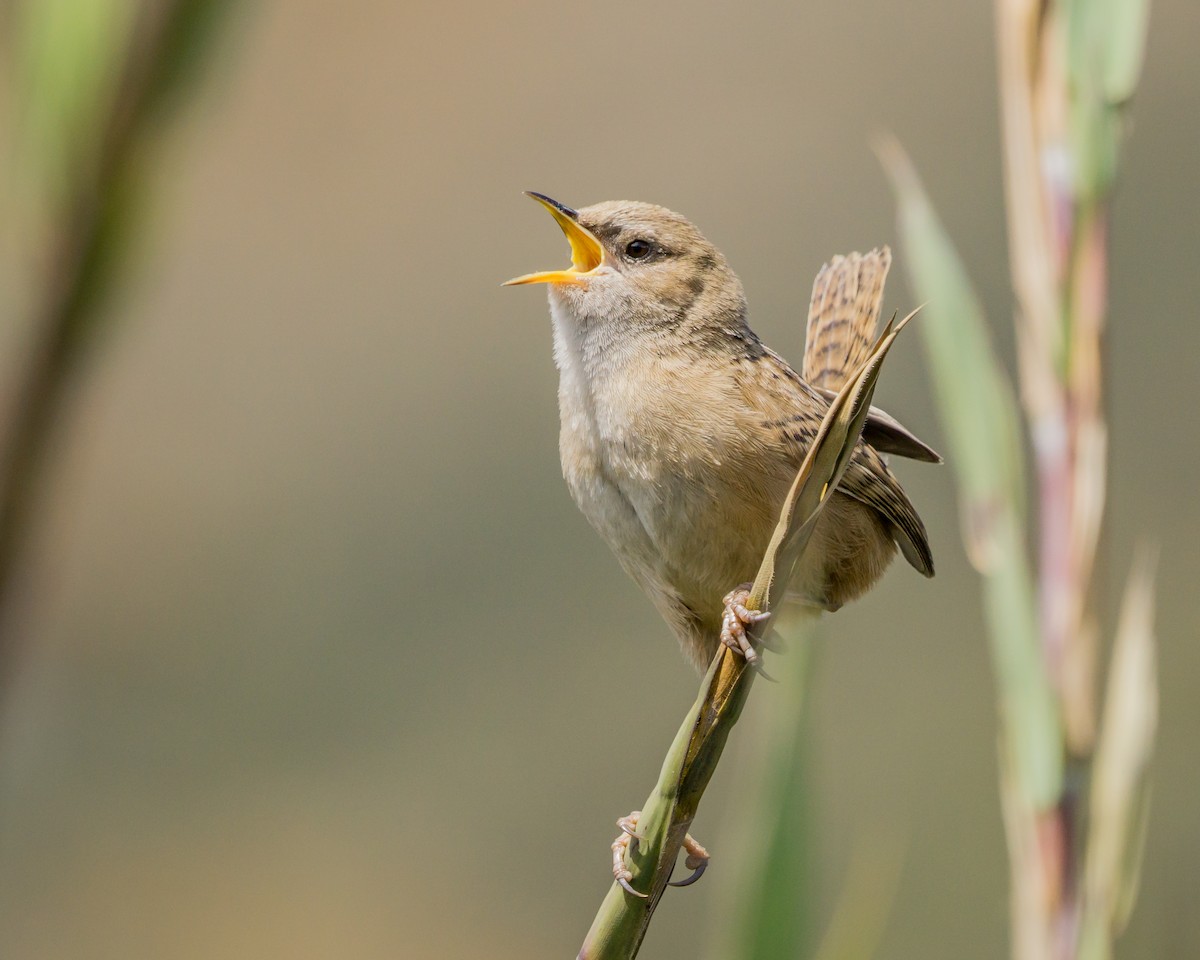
(681, 432)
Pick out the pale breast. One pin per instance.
(668, 468)
(585, 451)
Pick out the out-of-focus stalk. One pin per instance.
(1067, 71)
(92, 77)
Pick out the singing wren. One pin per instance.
(681, 431)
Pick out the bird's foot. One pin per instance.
(697, 856)
(735, 621)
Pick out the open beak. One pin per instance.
(587, 255)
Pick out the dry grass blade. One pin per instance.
(821, 471)
(1120, 789)
(623, 919)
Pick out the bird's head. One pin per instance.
(638, 263)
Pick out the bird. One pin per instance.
(681, 431)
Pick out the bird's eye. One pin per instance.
(638, 249)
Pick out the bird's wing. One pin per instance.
(842, 316)
(773, 388)
(869, 481)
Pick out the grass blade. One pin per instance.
(980, 416)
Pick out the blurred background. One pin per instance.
(317, 657)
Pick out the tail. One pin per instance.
(842, 316)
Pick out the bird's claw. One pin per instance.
(628, 824)
(736, 619)
(697, 862)
(624, 882)
(697, 856)
(625, 838)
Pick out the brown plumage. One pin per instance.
(842, 316)
(681, 431)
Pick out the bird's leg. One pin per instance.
(735, 621)
(697, 856)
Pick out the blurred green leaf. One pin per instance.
(89, 76)
(979, 413)
(1105, 45)
(866, 902)
(92, 80)
(1106, 42)
(974, 397)
(70, 54)
(770, 888)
